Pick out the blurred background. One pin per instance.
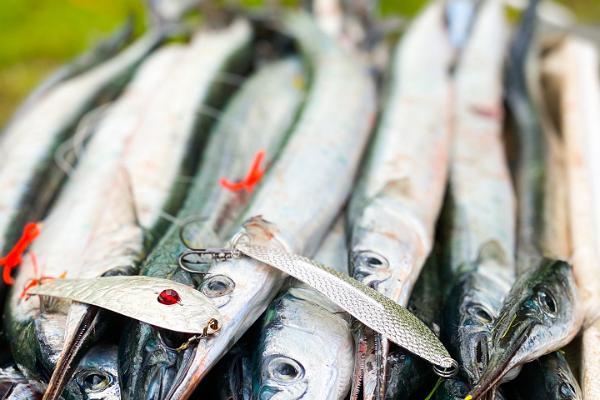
(39, 35)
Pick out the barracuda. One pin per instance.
(393, 211)
(542, 312)
(481, 215)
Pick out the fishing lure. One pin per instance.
(368, 306)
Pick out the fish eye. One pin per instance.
(480, 313)
(546, 301)
(285, 369)
(217, 286)
(171, 339)
(91, 381)
(370, 259)
(566, 391)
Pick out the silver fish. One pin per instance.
(393, 212)
(258, 117)
(542, 311)
(28, 176)
(128, 175)
(305, 349)
(303, 191)
(481, 213)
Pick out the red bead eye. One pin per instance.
(168, 297)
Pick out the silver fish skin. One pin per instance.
(28, 176)
(259, 117)
(305, 349)
(460, 16)
(328, 139)
(393, 211)
(128, 175)
(481, 219)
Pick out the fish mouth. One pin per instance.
(162, 370)
(73, 350)
(505, 345)
(182, 378)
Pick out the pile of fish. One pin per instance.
(165, 199)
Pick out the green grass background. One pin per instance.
(36, 36)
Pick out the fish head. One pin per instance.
(473, 304)
(150, 360)
(468, 318)
(96, 377)
(380, 244)
(296, 358)
(540, 315)
(548, 377)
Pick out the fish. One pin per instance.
(128, 177)
(549, 377)
(299, 205)
(96, 377)
(29, 177)
(393, 210)
(540, 315)
(480, 215)
(571, 68)
(259, 117)
(305, 348)
(542, 312)
(409, 374)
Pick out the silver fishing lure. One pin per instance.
(368, 306)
